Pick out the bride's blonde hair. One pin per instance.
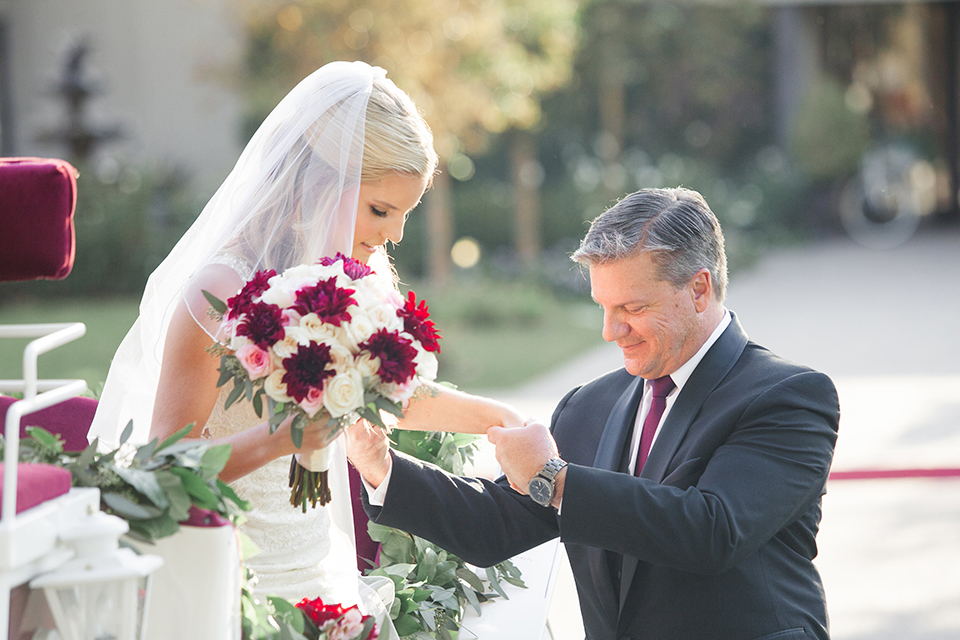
(396, 140)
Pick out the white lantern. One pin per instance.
(102, 593)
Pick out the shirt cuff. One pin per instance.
(377, 496)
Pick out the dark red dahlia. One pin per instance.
(254, 287)
(327, 300)
(416, 322)
(262, 323)
(353, 268)
(396, 355)
(306, 369)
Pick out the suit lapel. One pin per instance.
(716, 363)
(618, 426)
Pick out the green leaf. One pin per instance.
(258, 402)
(202, 496)
(218, 305)
(226, 371)
(495, 582)
(227, 492)
(287, 612)
(390, 407)
(406, 625)
(180, 501)
(179, 435)
(427, 566)
(445, 572)
(44, 437)
(470, 578)
(127, 509)
(214, 460)
(145, 451)
(371, 416)
(146, 483)
(296, 429)
(235, 393)
(127, 431)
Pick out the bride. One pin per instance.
(336, 167)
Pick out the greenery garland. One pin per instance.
(154, 486)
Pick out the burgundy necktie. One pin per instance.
(661, 387)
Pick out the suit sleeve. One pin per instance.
(768, 472)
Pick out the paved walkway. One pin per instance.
(885, 325)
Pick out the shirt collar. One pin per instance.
(683, 373)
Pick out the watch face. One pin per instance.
(540, 490)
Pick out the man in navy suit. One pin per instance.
(714, 538)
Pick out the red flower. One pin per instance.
(318, 612)
(307, 369)
(353, 268)
(416, 322)
(239, 303)
(396, 355)
(327, 300)
(262, 323)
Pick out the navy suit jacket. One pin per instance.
(714, 541)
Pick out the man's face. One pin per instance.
(652, 321)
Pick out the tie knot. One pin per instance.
(662, 386)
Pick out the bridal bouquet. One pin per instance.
(325, 342)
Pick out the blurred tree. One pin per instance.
(474, 67)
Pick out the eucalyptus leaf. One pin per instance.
(470, 578)
(127, 432)
(44, 437)
(176, 493)
(218, 305)
(176, 437)
(127, 509)
(227, 492)
(146, 483)
(495, 583)
(390, 407)
(235, 393)
(214, 459)
(202, 496)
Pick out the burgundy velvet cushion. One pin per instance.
(37, 200)
(71, 419)
(37, 483)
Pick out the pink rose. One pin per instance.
(255, 360)
(312, 403)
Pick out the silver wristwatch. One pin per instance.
(542, 485)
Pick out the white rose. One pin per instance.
(366, 365)
(384, 316)
(317, 330)
(288, 346)
(357, 331)
(342, 357)
(276, 388)
(426, 364)
(343, 393)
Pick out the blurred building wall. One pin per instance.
(166, 71)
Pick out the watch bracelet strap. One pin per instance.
(552, 468)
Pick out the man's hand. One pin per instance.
(368, 449)
(522, 452)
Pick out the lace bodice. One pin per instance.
(301, 554)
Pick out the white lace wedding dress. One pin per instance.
(302, 555)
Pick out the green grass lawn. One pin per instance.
(488, 356)
(87, 357)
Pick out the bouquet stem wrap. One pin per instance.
(309, 478)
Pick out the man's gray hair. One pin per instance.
(676, 226)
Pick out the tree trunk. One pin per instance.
(527, 176)
(439, 230)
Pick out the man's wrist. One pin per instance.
(558, 483)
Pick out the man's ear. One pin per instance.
(701, 288)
